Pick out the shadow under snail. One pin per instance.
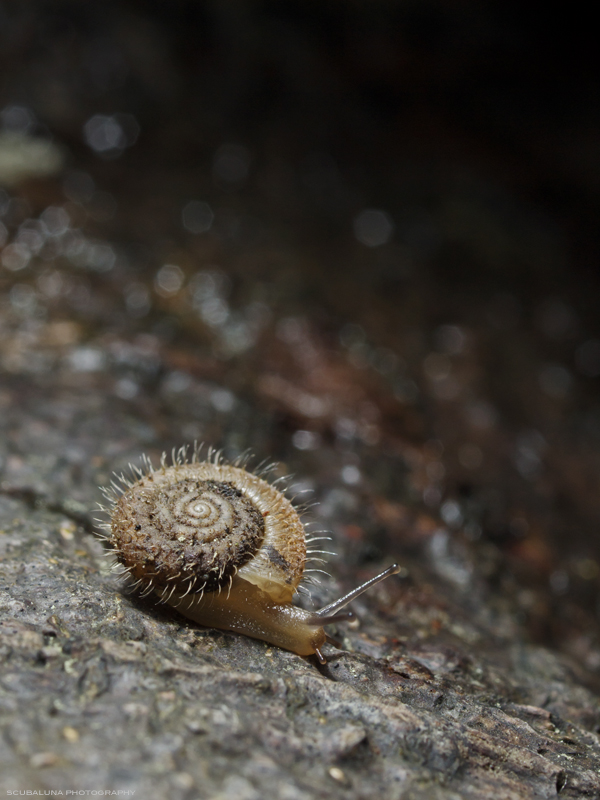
(224, 547)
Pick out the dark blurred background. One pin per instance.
(385, 208)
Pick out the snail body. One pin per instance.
(224, 547)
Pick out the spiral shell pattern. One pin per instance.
(190, 531)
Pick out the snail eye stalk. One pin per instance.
(330, 613)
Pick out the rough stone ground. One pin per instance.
(438, 695)
(100, 690)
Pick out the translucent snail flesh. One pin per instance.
(224, 547)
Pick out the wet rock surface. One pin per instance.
(103, 690)
(244, 227)
(439, 692)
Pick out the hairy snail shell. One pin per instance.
(223, 546)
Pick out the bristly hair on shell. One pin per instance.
(124, 481)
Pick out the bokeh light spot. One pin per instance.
(373, 227)
(197, 217)
(169, 279)
(231, 164)
(306, 440)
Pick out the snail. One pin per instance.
(223, 546)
